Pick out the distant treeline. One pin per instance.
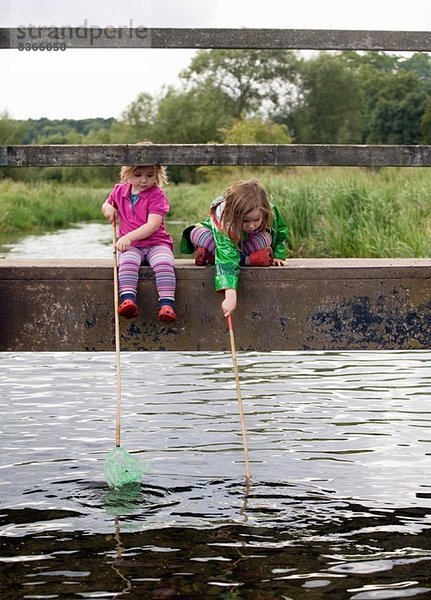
(254, 96)
(44, 131)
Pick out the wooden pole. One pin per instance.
(239, 397)
(117, 342)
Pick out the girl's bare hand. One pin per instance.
(229, 303)
(227, 307)
(278, 262)
(123, 243)
(109, 212)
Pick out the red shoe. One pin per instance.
(167, 314)
(128, 309)
(261, 258)
(203, 257)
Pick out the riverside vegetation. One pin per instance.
(330, 212)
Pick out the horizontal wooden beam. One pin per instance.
(216, 154)
(148, 37)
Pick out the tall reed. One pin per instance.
(356, 212)
(43, 206)
(330, 212)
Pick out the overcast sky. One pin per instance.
(78, 84)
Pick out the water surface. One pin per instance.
(83, 240)
(339, 504)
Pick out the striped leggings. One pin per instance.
(161, 260)
(202, 236)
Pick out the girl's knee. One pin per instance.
(201, 236)
(129, 257)
(161, 258)
(266, 238)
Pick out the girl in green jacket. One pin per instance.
(243, 229)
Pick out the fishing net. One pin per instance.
(125, 500)
(122, 468)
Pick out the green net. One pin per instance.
(125, 500)
(122, 468)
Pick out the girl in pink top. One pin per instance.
(141, 205)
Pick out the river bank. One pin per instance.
(330, 212)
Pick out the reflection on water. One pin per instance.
(87, 240)
(84, 240)
(340, 499)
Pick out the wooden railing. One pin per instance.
(146, 37)
(215, 154)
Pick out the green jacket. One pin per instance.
(227, 255)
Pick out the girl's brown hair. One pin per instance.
(129, 170)
(241, 198)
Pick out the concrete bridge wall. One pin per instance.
(67, 305)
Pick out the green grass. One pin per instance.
(331, 212)
(356, 213)
(27, 208)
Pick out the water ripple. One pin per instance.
(339, 454)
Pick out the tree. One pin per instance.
(254, 80)
(38, 129)
(192, 116)
(395, 90)
(11, 131)
(397, 110)
(420, 65)
(426, 123)
(255, 131)
(331, 103)
(382, 62)
(139, 117)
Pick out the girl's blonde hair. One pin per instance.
(241, 198)
(129, 170)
